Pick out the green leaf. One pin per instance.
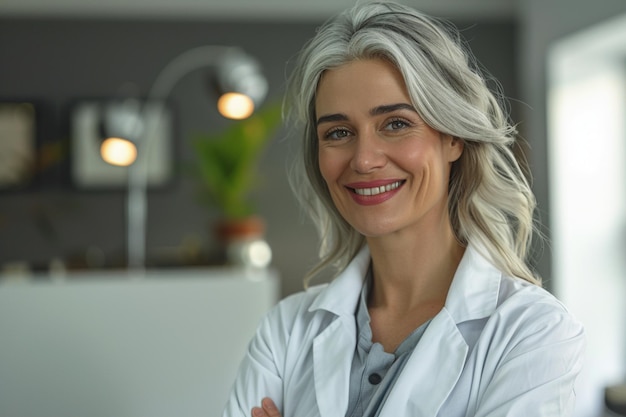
(225, 163)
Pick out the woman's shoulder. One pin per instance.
(518, 293)
(526, 309)
(295, 308)
(301, 300)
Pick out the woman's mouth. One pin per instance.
(378, 190)
(373, 193)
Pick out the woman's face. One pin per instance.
(387, 170)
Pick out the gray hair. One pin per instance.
(490, 200)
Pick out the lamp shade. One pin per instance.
(240, 84)
(122, 119)
(120, 129)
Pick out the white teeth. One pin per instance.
(377, 190)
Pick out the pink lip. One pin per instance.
(371, 200)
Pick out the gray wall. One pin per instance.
(56, 61)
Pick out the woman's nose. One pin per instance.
(368, 155)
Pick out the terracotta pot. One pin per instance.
(228, 230)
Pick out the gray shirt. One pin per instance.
(374, 371)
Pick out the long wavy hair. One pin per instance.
(490, 199)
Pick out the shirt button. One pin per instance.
(374, 379)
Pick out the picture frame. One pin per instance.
(19, 144)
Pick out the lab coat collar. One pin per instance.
(475, 287)
(342, 294)
(437, 360)
(473, 294)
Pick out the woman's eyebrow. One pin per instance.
(338, 117)
(388, 108)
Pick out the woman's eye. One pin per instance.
(337, 134)
(396, 124)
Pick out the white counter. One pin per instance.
(106, 345)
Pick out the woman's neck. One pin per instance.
(413, 269)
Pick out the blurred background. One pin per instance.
(560, 62)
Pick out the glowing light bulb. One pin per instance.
(118, 151)
(235, 106)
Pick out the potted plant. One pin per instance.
(225, 166)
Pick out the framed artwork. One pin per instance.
(18, 144)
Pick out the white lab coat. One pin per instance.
(499, 347)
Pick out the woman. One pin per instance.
(409, 176)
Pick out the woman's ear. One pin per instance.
(454, 146)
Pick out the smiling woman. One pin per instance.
(407, 170)
(379, 159)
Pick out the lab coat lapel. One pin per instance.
(334, 348)
(332, 359)
(431, 372)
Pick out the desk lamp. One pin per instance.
(241, 88)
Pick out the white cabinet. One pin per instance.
(106, 344)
